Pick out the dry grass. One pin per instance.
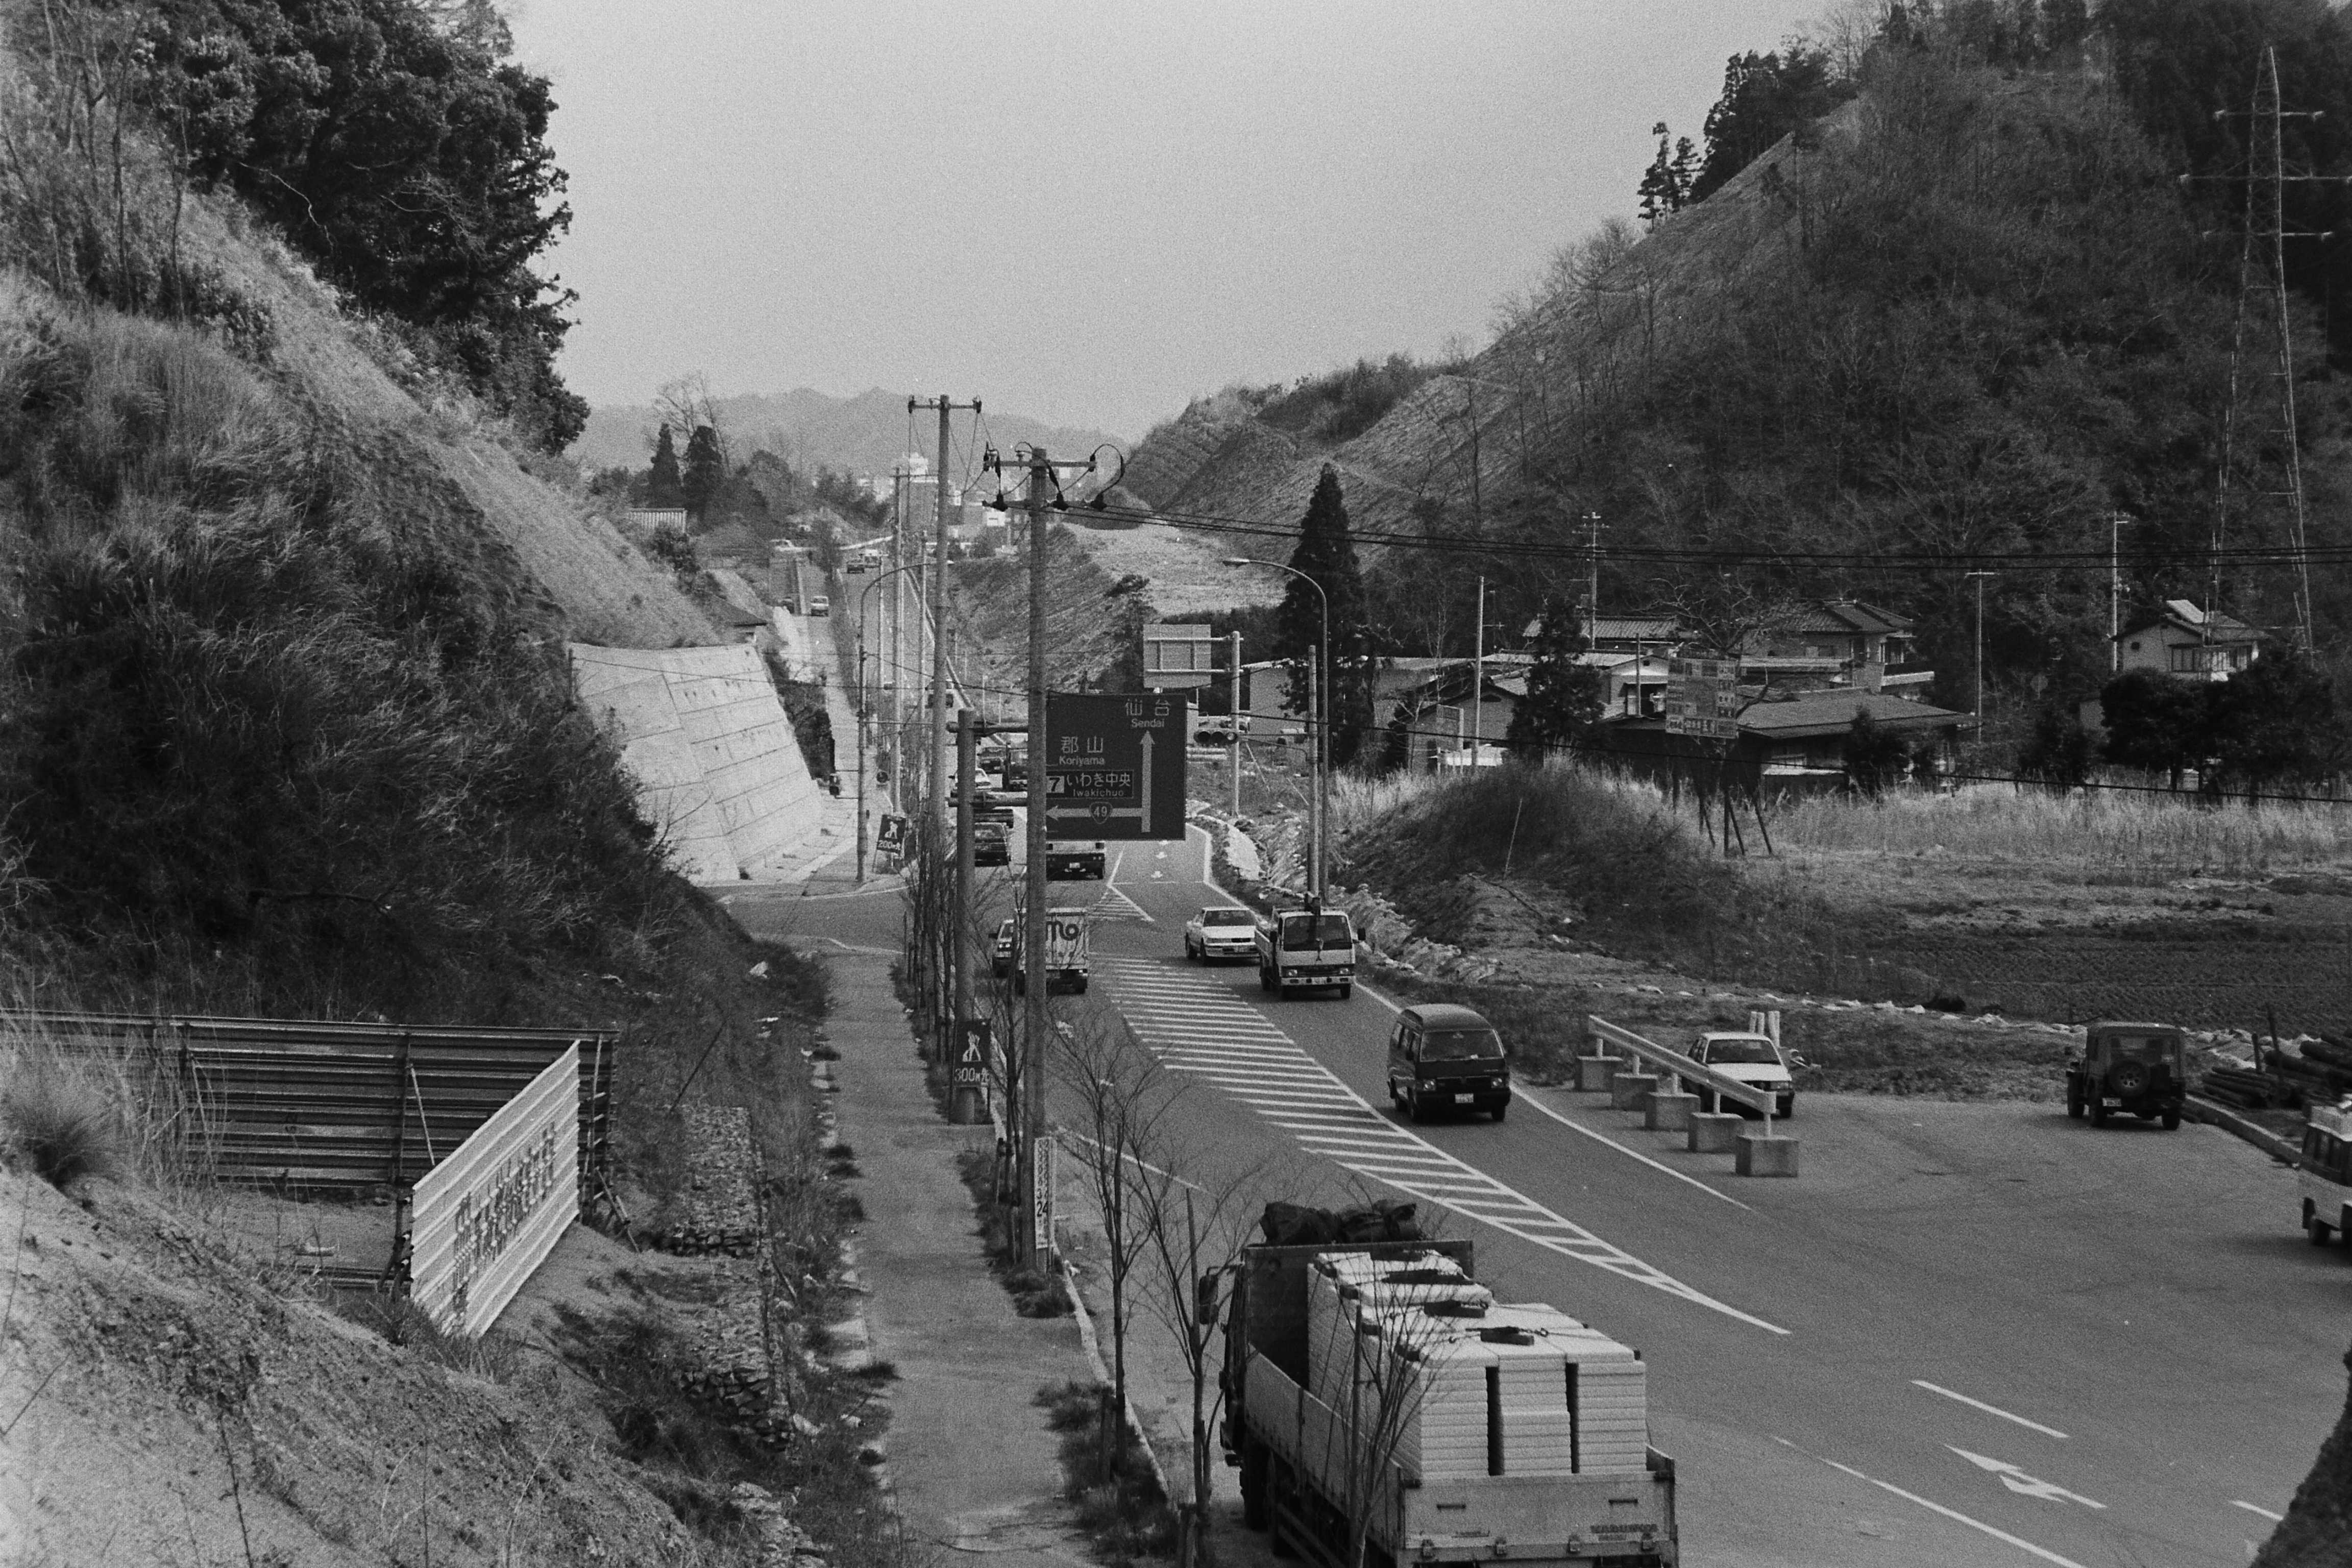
(2154, 836)
(60, 1120)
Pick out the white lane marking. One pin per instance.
(1114, 904)
(1377, 1148)
(1683, 1176)
(2249, 1508)
(1988, 1409)
(1066, 1134)
(1951, 1513)
(845, 947)
(2018, 1482)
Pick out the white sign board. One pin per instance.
(489, 1215)
(1701, 698)
(1043, 1236)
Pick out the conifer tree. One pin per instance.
(706, 470)
(662, 485)
(1564, 696)
(1327, 552)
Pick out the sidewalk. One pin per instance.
(975, 1468)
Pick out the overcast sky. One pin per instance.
(1088, 212)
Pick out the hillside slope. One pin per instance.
(1968, 310)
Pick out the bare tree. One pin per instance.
(687, 403)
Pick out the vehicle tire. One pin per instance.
(1500, 1108)
(1787, 1113)
(2128, 1079)
(1346, 991)
(1079, 986)
(1020, 983)
(1413, 1109)
(2074, 1106)
(1396, 1095)
(1253, 1486)
(2098, 1113)
(2318, 1230)
(2173, 1119)
(1263, 984)
(1281, 1491)
(1192, 953)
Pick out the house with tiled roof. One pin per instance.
(2185, 640)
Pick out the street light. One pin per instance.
(1317, 722)
(1980, 577)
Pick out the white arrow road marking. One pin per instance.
(1195, 1025)
(1936, 1508)
(2018, 1482)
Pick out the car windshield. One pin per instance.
(1004, 932)
(1305, 932)
(1225, 917)
(1742, 1052)
(2147, 1047)
(1460, 1044)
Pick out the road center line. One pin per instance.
(1951, 1513)
(1988, 1409)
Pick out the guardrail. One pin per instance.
(1676, 1062)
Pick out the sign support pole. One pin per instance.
(1034, 1241)
(1234, 740)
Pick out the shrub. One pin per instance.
(62, 1124)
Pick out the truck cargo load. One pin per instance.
(1381, 1373)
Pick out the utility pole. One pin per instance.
(936, 808)
(1234, 740)
(1593, 596)
(967, 749)
(1035, 1228)
(1315, 796)
(1478, 680)
(2116, 590)
(1980, 577)
(859, 714)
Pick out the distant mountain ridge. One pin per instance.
(807, 429)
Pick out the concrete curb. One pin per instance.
(2230, 1122)
(1102, 1370)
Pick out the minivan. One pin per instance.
(1442, 1056)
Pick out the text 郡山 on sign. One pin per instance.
(1113, 766)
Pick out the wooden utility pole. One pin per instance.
(1035, 1229)
(1234, 740)
(948, 957)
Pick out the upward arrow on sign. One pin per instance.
(1147, 778)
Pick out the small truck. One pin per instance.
(1307, 949)
(1463, 1429)
(2139, 1069)
(2325, 1172)
(1067, 952)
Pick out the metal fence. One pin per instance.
(341, 1106)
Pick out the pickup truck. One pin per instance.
(1465, 1430)
(1309, 949)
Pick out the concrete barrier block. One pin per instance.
(1592, 1073)
(1669, 1111)
(1713, 1132)
(1762, 1156)
(1627, 1088)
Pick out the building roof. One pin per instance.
(1625, 629)
(1447, 1016)
(2189, 618)
(1840, 618)
(1832, 712)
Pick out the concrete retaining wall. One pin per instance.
(718, 770)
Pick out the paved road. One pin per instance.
(1967, 1334)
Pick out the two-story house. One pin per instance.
(2185, 640)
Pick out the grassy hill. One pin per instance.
(1970, 309)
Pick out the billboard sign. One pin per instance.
(491, 1212)
(1113, 766)
(1703, 697)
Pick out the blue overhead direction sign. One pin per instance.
(1115, 767)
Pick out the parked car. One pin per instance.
(818, 605)
(1755, 1059)
(1449, 1057)
(1000, 951)
(991, 843)
(1220, 934)
(2139, 1068)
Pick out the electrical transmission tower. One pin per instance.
(2261, 417)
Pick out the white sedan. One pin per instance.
(1220, 934)
(1752, 1060)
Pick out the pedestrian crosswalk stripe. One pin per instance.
(1195, 1025)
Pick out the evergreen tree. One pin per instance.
(1684, 170)
(2155, 723)
(706, 470)
(1657, 187)
(662, 486)
(1564, 696)
(1765, 96)
(1327, 553)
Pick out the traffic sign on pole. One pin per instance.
(1113, 766)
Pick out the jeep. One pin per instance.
(2142, 1068)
